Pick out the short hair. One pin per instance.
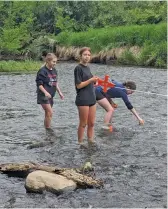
(130, 84)
(50, 56)
(83, 50)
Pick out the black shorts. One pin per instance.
(99, 95)
(80, 104)
(85, 101)
(44, 100)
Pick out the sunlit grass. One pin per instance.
(151, 38)
(98, 39)
(19, 66)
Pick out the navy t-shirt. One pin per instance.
(119, 91)
(48, 79)
(86, 95)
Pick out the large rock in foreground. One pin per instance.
(78, 175)
(38, 181)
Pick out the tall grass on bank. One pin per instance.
(99, 39)
(22, 66)
(151, 55)
(152, 39)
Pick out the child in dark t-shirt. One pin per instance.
(85, 98)
(47, 85)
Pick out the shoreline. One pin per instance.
(28, 66)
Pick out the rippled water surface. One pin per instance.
(131, 160)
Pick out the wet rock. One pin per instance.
(17, 170)
(74, 174)
(39, 181)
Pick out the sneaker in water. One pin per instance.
(107, 127)
(50, 132)
(111, 128)
(82, 145)
(93, 145)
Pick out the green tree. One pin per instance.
(146, 12)
(16, 26)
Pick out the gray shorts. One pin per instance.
(42, 99)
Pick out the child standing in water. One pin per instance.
(121, 90)
(47, 85)
(85, 98)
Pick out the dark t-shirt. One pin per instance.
(86, 95)
(48, 79)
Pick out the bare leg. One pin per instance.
(91, 121)
(83, 118)
(48, 115)
(109, 110)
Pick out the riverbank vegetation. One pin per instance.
(31, 27)
(18, 66)
(151, 40)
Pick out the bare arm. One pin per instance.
(44, 91)
(59, 91)
(141, 122)
(85, 83)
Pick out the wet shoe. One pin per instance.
(111, 128)
(82, 145)
(50, 134)
(93, 145)
(50, 131)
(107, 127)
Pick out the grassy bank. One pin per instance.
(137, 45)
(21, 66)
(152, 39)
(100, 39)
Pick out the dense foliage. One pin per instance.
(23, 22)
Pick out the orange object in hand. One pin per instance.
(105, 83)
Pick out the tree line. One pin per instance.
(21, 22)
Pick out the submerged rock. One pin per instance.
(39, 181)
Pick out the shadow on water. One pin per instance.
(50, 138)
(131, 160)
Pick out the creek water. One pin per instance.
(132, 160)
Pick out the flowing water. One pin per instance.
(132, 160)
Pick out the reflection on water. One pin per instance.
(131, 160)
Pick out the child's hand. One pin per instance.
(48, 95)
(94, 79)
(114, 105)
(141, 122)
(61, 95)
